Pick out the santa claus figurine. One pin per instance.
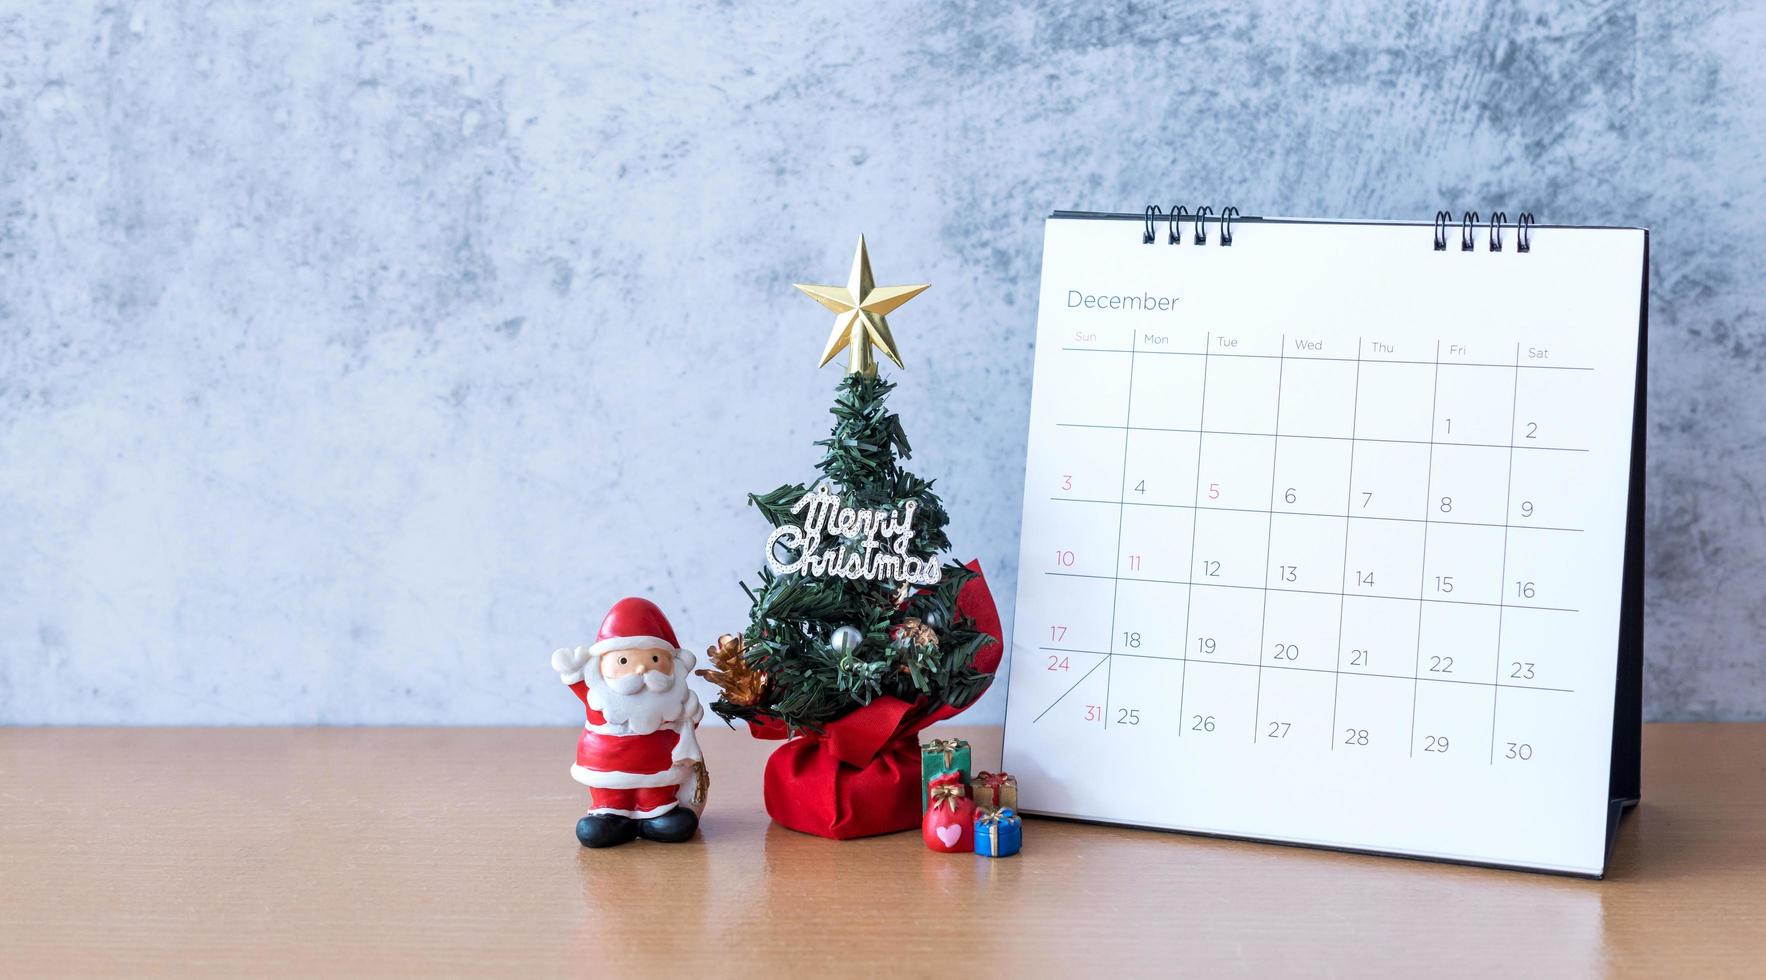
(638, 754)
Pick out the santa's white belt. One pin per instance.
(603, 779)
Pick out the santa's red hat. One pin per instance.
(634, 624)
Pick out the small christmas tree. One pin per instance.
(853, 604)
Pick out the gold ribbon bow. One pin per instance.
(947, 794)
(948, 746)
(988, 818)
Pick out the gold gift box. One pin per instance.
(995, 790)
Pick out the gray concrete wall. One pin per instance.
(352, 356)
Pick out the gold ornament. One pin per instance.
(741, 684)
(859, 308)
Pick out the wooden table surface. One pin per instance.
(377, 851)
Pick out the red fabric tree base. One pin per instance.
(860, 776)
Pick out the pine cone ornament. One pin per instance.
(915, 633)
(741, 684)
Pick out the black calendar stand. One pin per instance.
(1623, 786)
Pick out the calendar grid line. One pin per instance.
(1324, 592)
(1189, 593)
(1348, 502)
(1102, 659)
(1121, 514)
(1303, 435)
(1186, 660)
(1508, 497)
(1344, 360)
(1307, 513)
(1423, 570)
(1268, 538)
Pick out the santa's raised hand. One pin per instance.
(569, 663)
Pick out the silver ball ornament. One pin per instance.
(934, 619)
(846, 640)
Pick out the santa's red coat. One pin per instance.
(623, 761)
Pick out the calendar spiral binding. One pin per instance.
(1468, 224)
(1175, 218)
(1469, 221)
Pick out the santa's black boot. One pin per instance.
(670, 828)
(605, 830)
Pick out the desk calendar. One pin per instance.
(1332, 534)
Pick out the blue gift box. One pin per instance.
(998, 833)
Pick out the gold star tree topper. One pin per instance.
(859, 308)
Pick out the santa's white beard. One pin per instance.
(644, 702)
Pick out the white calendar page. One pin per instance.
(1323, 535)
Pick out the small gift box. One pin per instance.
(995, 790)
(949, 824)
(998, 833)
(940, 756)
